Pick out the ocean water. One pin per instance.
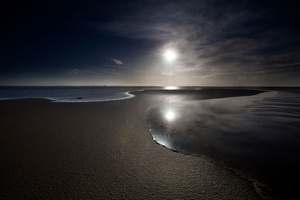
(78, 94)
(257, 136)
(69, 94)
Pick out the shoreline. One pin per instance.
(107, 149)
(205, 93)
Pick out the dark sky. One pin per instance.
(124, 42)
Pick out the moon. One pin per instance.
(170, 55)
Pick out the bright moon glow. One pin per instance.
(171, 88)
(170, 115)
(170, 55)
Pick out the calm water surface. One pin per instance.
(258, 135)
(76, 94)
(68, 94)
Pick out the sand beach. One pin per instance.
(104, 151)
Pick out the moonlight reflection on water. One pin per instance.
(171, 88)
(170, 115)
(251, 134)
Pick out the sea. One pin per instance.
(69, 94)
(257, 137)
(74, 94)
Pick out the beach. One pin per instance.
(103, 150)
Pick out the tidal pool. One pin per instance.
(257, 135)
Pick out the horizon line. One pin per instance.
(148, 86)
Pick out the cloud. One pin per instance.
(217, 38)
(97, 71)
(118, 62)
(167, 73)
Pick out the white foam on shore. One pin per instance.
(129, 96)
(83, 100)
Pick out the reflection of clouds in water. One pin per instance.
(204, 122)
(161, 139)
(235, 124)
(252, 133)
(227, 114)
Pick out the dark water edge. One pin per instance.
(237, 135)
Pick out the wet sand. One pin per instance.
(101, 151)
